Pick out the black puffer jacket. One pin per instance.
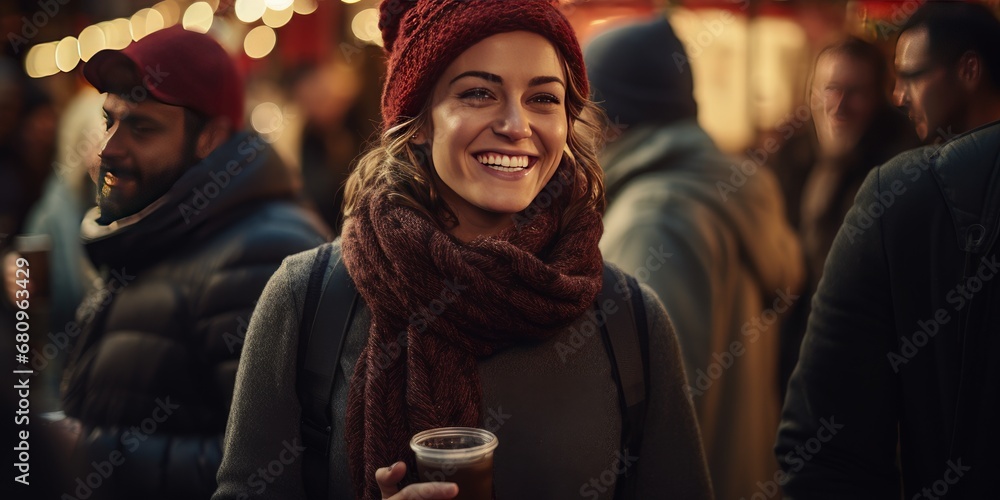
(899, 345)
(152, 374)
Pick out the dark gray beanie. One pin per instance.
(636, 77)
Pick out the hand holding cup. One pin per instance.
(388, 479)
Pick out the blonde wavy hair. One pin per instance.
(406, 171)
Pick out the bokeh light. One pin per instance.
(41, 60)
(266, 118)
(67, 54)
(92, 40)
(365, 26)
(278, 4)
(198, 17)
(259, 42)
(117, 33)
(170, 11)
(303, 7)
(277, 18)
(249, 11)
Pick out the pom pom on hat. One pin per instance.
(389, 15)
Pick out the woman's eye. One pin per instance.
(476, 94)
(547, 99)
(108, 123)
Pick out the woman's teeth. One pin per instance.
(503, 163)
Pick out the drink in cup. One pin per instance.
(35, 249)
(460, 455)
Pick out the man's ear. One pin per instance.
(970, 70)
(215, 132)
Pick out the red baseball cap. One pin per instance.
(177, 67)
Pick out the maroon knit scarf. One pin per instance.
(438, 305)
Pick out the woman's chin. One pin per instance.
(504, 209)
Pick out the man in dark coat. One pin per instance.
(193, 217)
(896, 357)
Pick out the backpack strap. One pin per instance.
(626, 337)
(321, 339)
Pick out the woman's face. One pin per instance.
(498, 128)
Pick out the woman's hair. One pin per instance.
(406, 170)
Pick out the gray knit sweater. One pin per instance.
(553, 406)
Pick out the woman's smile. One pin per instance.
(506, 166)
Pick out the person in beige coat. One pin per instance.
(708, 234)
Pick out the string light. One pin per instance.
(365, 26)
(304, 7)
(47, 59)
(249, 11)
(67, 54)
(41, 60)
(259, 42)
(92, 40)
(277, 18)
(198, 17)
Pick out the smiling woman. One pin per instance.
(496, 137)
(486, 120)
(539, 117)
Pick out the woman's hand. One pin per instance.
(9, 272)
(388, 481)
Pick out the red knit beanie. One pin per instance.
(422, 37)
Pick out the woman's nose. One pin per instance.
(515, 123)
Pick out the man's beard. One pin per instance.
(147, 188)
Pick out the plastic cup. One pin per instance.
(460, 455)
(35, 248)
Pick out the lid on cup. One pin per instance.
(25, 243)
(453, 443)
